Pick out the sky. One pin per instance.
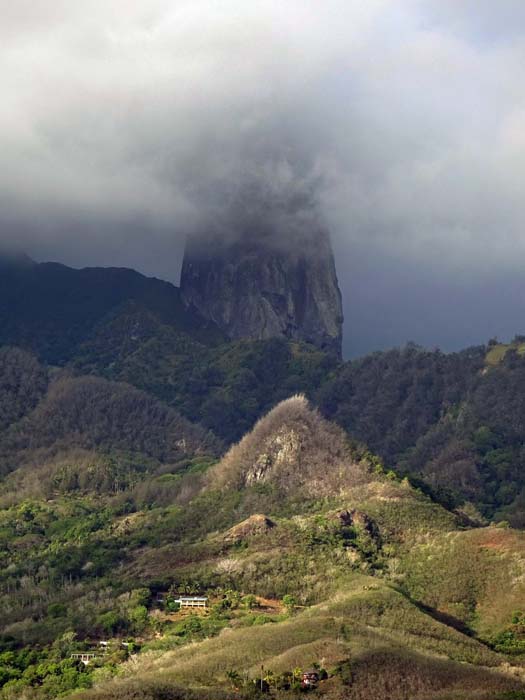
(125, 127)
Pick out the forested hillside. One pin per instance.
(345, 516)
(453, 420)
(310, 555)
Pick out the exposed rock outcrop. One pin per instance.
(262, 286)
(295, 449)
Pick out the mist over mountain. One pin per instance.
(407, 115)
(275, 278)
(201, 496)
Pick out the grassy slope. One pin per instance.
(401, 601)
(357, 607)
(367, 622)
(366, 619)
(476, 576)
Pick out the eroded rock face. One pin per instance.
(262, 287)
(279, 450)
(296, 450)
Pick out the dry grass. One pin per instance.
(396, 651)
(401, 675)
(477, 575)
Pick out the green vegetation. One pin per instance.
(362, 548)
(449, 420)
(453, 421)
(351, 591)
(225, 388)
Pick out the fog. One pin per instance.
(126, 127)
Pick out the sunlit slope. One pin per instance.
(477, 577)
(348, 566)
(389, 644)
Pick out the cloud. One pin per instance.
(125, 126)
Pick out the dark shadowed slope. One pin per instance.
(50, 308)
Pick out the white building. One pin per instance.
(192, 601)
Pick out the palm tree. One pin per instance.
(234, 678)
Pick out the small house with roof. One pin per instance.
(192, 601)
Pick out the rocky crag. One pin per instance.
(263, 285)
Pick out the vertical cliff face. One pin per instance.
(260, 286)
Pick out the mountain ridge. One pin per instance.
(50, 308)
